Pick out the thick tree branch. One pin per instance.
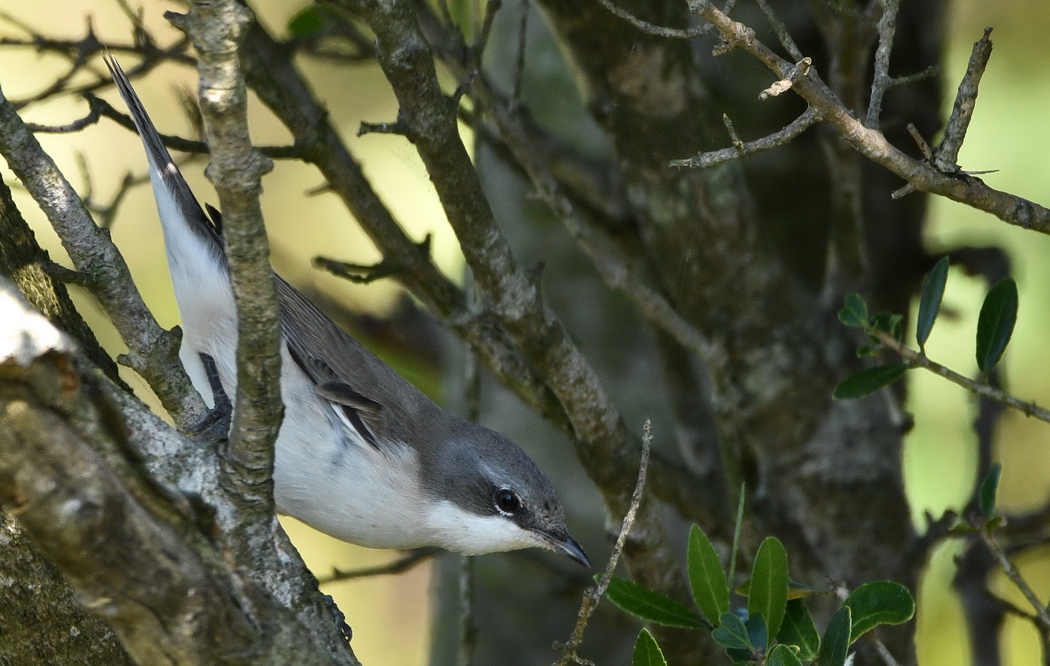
(23, 262)
(68, 475)
(236, 171)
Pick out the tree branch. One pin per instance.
(236, 170)
(809, 118)
(273, 77)
(873, 144)
(1028, 408)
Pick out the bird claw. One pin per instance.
(216, 423)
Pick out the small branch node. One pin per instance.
(797, 71)
(65, 275)
(358, 273)
(396, 127)
(924, 147)
(737, 143)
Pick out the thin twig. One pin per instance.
(75, 126)
(652, 29)
(737, 531)
(808, 118)
(593, 595)
(1028, 408)
(400, 565)
(519, 65)
(468, 631)
(780, 30)
(1042, 615)
(927, 73)
(946, 155)
(482, 40)
(881, 81)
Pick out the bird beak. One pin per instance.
(568, 545)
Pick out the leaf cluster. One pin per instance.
(773, 626)
(995, 327)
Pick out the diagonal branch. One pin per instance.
(872, 143)
(809, 118)
(603, 443)
(152, 351)
(1028, 408)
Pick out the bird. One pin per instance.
(362, 454)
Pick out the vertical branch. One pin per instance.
(216, 29)
(252, 531)
(881, 82)
(946, 155)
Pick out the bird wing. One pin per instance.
(323, 351)
(338, 365)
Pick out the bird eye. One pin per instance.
(507, 501)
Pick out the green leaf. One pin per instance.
(757, 631)
(836, 639)
(855, 312)
(890, 323)
(769, 584)
(995, 324)
(782, 655)
(308, 21)
(868, 381)
(800, 590)
(647, 651)
(870, 350)
(881, 602)
(706, 576)
(798, 629)
(989, 489)
(795, 590)
(651, 606)
(930, 301)
(731, 633)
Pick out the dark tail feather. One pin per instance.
(160, 159)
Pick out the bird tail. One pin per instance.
(175, 201)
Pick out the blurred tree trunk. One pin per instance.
(757, 254)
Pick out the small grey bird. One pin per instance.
(362, 454)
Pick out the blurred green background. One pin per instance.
(390, 614)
